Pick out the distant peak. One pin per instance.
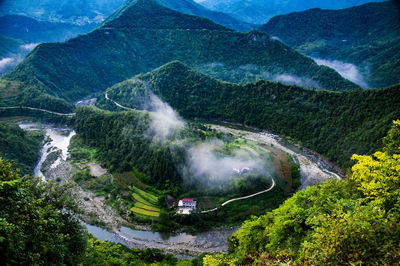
(152, 15)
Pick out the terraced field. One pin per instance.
(145, 202)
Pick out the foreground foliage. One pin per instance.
(39, 226)
(356, 221)
(37, 222)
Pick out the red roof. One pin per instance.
(187, 200)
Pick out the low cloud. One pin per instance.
(164, 120)
(6, 62)
(29, 46)
(346, 70)
(208, 164)
(295, 80)
(275, 38)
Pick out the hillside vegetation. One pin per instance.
(337, 223)
(366, 35)
(144, 35)
(20, 146)
(336, 124)
(122, 145)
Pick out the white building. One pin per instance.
(186, 206)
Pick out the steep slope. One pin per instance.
(192, 8)
(367, 35)
(31, 30)
(20, 146)
(144, 35)
(336, 124)
(259, 11)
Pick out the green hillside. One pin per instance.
(366, 35)
(350, 222)
(20, 146)
(144, 35)
(336, 124)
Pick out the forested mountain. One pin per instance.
(20, 146)
(259, 11)
(337, 124)
(79, 12)
(94, 12)
(31, 30)
(144, 35)
(366, 35)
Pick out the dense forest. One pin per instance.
(355, 221)
(122, 144)
(145, 35)
(336, 124)
(366, 35)
(20, 146)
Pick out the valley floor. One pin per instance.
(97, 211)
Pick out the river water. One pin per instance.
(57, 139)
(182, 245)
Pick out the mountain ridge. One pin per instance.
(366, 35)
(336, 124)
(124, 46)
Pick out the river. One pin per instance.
(56, 144)
(53, 164)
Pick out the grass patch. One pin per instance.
(145, 196)
(145, 212)
(146, 207)
(81, 153)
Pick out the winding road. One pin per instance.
(242, 198)
(36, 109)
(117, 104)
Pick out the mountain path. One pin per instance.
(242, 198)
(36, 109)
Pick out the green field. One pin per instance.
(145, 212)
(145, 203)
